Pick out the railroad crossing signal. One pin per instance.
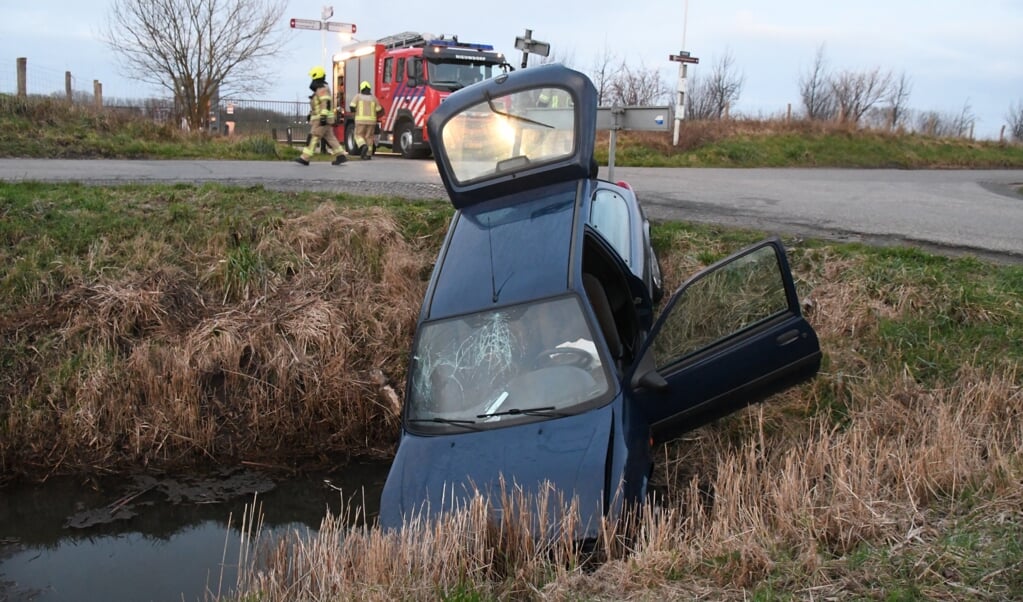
(530, 46)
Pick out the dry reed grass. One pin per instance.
(156, 367)
(780, 500)
(770, 507)
(700, 133)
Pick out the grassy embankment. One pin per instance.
(175, 326)
(51, 128)
(167, 326)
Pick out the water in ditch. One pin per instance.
(158, 538)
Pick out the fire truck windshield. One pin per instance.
(451, 75)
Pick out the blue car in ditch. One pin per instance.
(537, 360)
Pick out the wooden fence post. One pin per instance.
(67, 85)
(22, 85)
(97, 92)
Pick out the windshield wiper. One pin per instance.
(469, 424)
(542, 411)
(494, 108)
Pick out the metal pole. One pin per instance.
(525, 53)
(611, 156)
(680, 106)
(685, 24)
(617, 114)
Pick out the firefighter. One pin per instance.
(321, 119)
(550, 98)
(367, 110)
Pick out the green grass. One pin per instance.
(897, 325)
(51, 128)
(48, 127)
(815, 149)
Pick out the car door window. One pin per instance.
(609, 215)
(721, 304)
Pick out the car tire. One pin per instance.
(656, 285)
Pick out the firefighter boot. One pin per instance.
(339, 159)
(364, 152)
(302, 161)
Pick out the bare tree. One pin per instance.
(964, 121)
(947, 125)
(635, 86)
(710, 98)
(1015, 119)
(815, 90)
(196, 49)
(856, 92)
(602, 74)
(898, 99)
(699, 104)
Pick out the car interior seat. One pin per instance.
(605, 317)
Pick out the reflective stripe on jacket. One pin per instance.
(319, 106)
(366, 107)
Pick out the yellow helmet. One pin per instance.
(364, 86)
(317, 72)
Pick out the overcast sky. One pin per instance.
(955, 53)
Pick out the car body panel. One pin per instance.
(537, 361)
(441, 473)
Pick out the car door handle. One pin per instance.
(788, 337)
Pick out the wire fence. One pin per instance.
(282, 119)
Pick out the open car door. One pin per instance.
(730, 336)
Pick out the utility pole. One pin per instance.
(684, 59)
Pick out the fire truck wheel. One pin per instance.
(350, 145)
(403, 138)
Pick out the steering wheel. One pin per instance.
(563, 356)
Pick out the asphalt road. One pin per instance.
(953, 211)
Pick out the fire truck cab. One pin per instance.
(411, 73)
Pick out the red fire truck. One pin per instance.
(411, 73)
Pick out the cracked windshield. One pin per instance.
(510, 133)
(534, 359)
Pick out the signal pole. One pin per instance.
(684, 59)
